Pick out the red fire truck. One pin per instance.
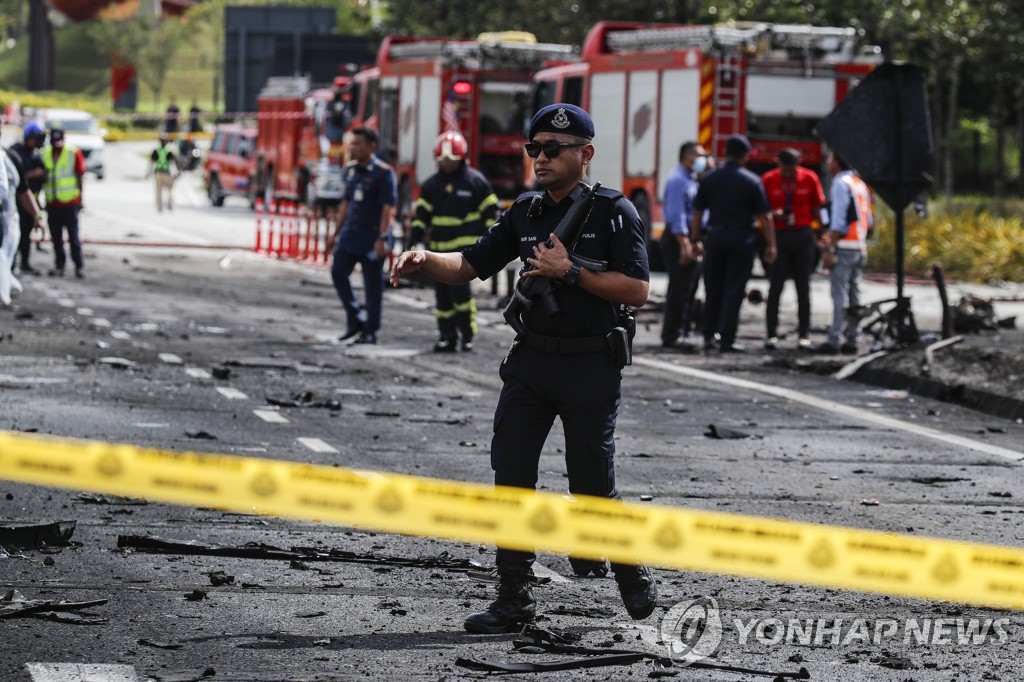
(651, 88)
(297, 147)
(421, 87)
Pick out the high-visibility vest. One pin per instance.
(857, 231)
(62, 183)
(163, 160)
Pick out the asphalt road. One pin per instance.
(178, 313)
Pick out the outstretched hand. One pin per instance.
(409, 261)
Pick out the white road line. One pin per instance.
(151, 425)
(542, 571)
(270, 416)
(198, 373)
(837, 408)
(231, 393)
(317, 445)
(81, 672)
(170, 358)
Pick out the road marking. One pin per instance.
(170, 358)
(270, 416)
(542, 571)
(231, 393)
(81, 672)
(198, 373)
(317, 445)
(151, 425)
(120, 335)
(837, 408)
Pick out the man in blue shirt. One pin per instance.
(677, 253)
(362, 234)
(735, 199)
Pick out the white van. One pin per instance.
(80, 130)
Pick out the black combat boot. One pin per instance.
(638, 589)
(514, 606)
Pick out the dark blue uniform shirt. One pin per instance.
(367, 190)
(613, 233)
(733, 195)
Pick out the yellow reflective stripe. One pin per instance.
(447, 221)
(470, 217)
(489, 200)
(422, 202)
(444, 314)
(467, 307)
(453, 244)
(418, 223)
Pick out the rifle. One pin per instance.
(530, 289)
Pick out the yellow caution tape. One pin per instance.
(754, 547)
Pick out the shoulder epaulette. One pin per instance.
(381, 164)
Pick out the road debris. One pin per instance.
(195, 595)
(304, 399)
(721, 433)
(536, 640)
(255, 550)
(159, 645)
(872, 502)
(117, 363)
(219, 578)
(15, 605)
(37, 535)
(93, 498)
(201, 435)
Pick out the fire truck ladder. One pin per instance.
(747, 39)
(821, 43)
(726, 100)
(473, 53)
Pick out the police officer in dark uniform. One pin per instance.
(734, 199)
(561, 367)
(455, 207)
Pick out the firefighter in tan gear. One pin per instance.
(455, 207)
(163, 166)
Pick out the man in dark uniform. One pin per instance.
(734, 199)
(561, 366)
(455, 207)
(29, 213)
(363, 234)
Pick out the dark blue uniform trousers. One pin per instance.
(373, 285)
(584, 391)
(61, 217)
(728, 262)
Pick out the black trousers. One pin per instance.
(795, 259)
(682, 286)
(728, 262)
(583, 390)
(61, 218)
(26, 222)
(455, 311)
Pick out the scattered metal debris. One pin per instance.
(201, 435)
(974, 314)
(304, 399)
(598, 612)
(15, 605)
(37, 535)
(254, 550)
(872, 502)
(195, 595)
(535, 640)
(93, 498)
(219, 578)
(721, 433)
(220, 372)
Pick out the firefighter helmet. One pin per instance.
(450, 145)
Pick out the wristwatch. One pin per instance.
(572, 275)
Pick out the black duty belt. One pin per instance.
(559, 345)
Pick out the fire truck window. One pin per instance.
(499, 104)
(355, 90)
(572, 90)
(543, 95)
(781, 127)
(233, 143)
(218, 142)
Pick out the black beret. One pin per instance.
(562, 118)
(737, 145)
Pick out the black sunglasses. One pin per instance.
(550, 149)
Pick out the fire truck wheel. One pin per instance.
(215, 192)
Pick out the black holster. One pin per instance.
(620, 347)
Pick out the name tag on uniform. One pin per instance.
(357, 194)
